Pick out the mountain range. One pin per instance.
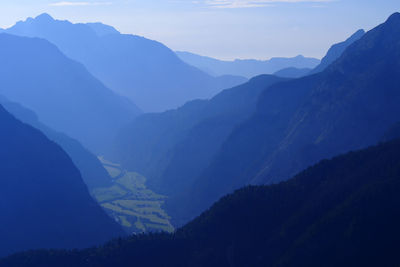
(246, 67)
(145, 71)
(300, 168)
(283, 67)
(44, 202)
(297, 123)
(288, 126)
(170, 148)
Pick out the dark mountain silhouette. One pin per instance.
(146, 71)
(292, 72)
(297, 123)
(43, 201)
(170, 148)
(340, 212)
(93, 173)
(248, 67)
(65, 96)
(336, 51)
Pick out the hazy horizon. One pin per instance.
(267, 28)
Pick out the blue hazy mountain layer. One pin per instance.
(172, 147)
(246, 67)
(93, 173)
(65, 96)
(145, 71)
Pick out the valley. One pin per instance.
(130, 203)
(118, 151)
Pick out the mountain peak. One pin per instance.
(44, 17)
(395, 17)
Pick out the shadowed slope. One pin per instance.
(341, 212)
(92, 171)
(43, 201)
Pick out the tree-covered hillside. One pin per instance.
(340, 212)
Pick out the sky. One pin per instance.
(224, 29)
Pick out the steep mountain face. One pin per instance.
(297, 123)
(64, 95)
(340, 212)
(336, 51)
(248, 68)
(292, 72)
(43, 200)
(93, 173)
(170, 148)
(145, 71)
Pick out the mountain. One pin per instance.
(340, 212)
(292, 72)
(348, 106)
(145, 71)
(44, 202)
(170, 148)
(93, 173)
(246, 67)
(336, 51)
(65, 96)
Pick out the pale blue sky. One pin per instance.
(223, 29)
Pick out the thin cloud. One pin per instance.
(256, 3)
(68, 3)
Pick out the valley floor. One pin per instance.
(130, 203)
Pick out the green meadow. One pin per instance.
(130, 203)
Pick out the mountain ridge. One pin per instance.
(348, 106)
(246, 67)
(169, 148)
(65, 96)
(145, 71)
(336, 51)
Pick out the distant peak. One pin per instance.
(44, 17)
